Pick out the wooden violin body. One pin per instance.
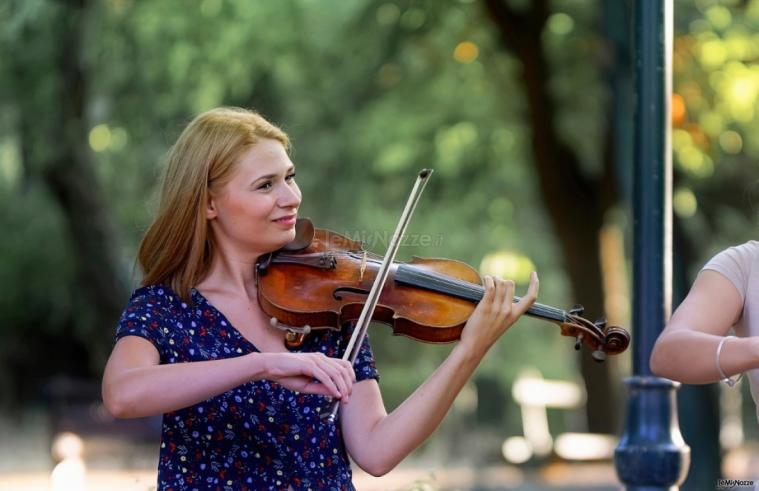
(323, 279)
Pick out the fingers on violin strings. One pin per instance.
(507, 304)
(489, 285)
(501, 292)
(509, 284)
(532, 293)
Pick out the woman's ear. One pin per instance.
(211, 212)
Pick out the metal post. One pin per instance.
(651, 454)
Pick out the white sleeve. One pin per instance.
(735, 264)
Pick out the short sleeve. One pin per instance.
(735, 264)
(365, 366)
(144, 317)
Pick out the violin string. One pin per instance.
(438, 282)
(463, 289)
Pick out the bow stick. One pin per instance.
(359, 332)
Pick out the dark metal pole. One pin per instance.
(651, 454)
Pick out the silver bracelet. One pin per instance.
(727, 380)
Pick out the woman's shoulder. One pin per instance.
(751, 246)
(737, 264)
(744, 254)
(156, 297)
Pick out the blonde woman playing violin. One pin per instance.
(240, 411)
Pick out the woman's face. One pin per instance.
(255, 211)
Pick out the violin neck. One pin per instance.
(436, 282)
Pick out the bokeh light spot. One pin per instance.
(508, 265)
(100, 137)
(684, 202)
(678, 109)
(731, 142)
(560, 24)
(719, 16)
(466, 52)
(713, 53)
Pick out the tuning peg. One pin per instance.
(578, 342)
(601, 323)
(577, 310)
(599, 356)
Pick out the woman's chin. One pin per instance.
(285, 238)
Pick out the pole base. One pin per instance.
(652, 454)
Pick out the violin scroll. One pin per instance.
(597, 336)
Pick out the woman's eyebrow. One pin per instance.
(273, 175)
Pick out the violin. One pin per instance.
(321, 280)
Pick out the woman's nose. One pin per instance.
(290, 196)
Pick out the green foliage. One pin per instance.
(370, 93)
(715, 116)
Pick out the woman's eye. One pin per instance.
(270, 184)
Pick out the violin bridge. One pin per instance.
(363, 267)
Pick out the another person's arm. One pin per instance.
(686, 350)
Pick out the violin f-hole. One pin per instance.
(348, 289)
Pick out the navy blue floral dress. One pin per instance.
(257, 436)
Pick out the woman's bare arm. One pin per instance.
(378, 441)
(686, 350)
(135, 385)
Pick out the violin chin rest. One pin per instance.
(304, 235)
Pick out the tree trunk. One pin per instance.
(55, 151)
(575, 203)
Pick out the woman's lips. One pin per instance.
(289, 220)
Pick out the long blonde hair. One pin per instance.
(178, 246)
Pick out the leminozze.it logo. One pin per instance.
(732, 483)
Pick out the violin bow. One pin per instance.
(359, 332)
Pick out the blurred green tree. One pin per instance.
(513, 103)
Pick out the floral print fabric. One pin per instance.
(257, 436)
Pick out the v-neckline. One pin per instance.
(231, 326)
(224, 319)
